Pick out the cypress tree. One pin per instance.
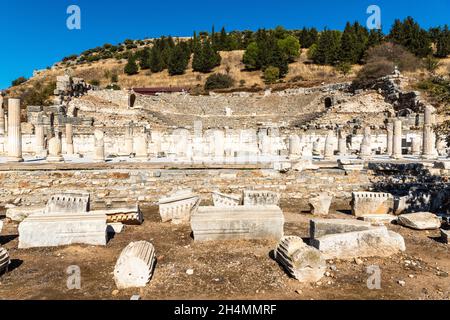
(178, 61)
(348, 50)
(156, 61)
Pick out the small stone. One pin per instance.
(115, 292)
(411, 276)
(190, 272)
(358, 261)
(299, 292)
(402, 283)
(136, 297)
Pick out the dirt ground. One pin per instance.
(222, 270)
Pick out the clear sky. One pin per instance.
(34, 34)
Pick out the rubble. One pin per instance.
(55, 229)
(235, 223)
(368, 203)
(179, 206)
(320, 204)
(420, 221)
(334, 241)
(302, 262)
(134, 268)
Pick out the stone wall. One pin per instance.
(146, 185)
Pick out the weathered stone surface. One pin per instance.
(320, 205)
(261, 198)
(134, 268)
(376, 241)
(351, 165)
(322, 227)
(445, 234)
(302, 262)
(366, 203)
(68, 202)
(234, 223)
(379, 219)
(1, 225)
(130, 215)
(53, 229)
(4, 260)
(226, 200)
(179, 206)
(115, 227)
(18, 214)
(420, 221)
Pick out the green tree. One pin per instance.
(18, 81)
(206, 58)
(348, 51)
(271, 74)
(344, 68)
(328, 48)
(156, 60)
(178, 61)
(443, 42)
(251, 57)
(290, 46)
(410, 35)
(131, 68)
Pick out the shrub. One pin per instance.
(218, 81)
(398, 55)
(131, 67)
(40, 94)
(113, 86)
(271, 74)
(431, 64)
(114, 78)
(18, 81)
(374, 70)
(344, 68)
(95, 82)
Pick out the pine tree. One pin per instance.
(131, 68)
(144, 59)
(251, 56)
(156, 61)
(328, 48)
(178, 61)
(375, 38)
(348, 50)
(206, 58)
(223, 40)
(443, 43)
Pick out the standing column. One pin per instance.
(39, 139)
(99, 146)
(129, 139)
(390, 139)
(69, 139)
(14, 131)
(2, 116)
(366, 145)
(342, 143)
(55, 148)
(294, 146)
(329, 146)
(397, 141)
(428, 139)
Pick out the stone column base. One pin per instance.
(14, 159)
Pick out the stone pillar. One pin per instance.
(397, 141)
(329, 146)
(129, 139)
(416, 146)
(219, 144)
(390, 139)
(39, 147)
(2, 116)
(342, 143)
(14, 131)
(55, 149)
(428, 136)
(295, 149)
(69, 139)
(366, 145)
(141, 147)
(99, 146)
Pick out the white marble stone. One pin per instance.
(53, 229)
(134, 268)
(234, 223)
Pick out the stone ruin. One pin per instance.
(179, 206)
(134, 268)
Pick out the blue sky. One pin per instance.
(34, 33)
